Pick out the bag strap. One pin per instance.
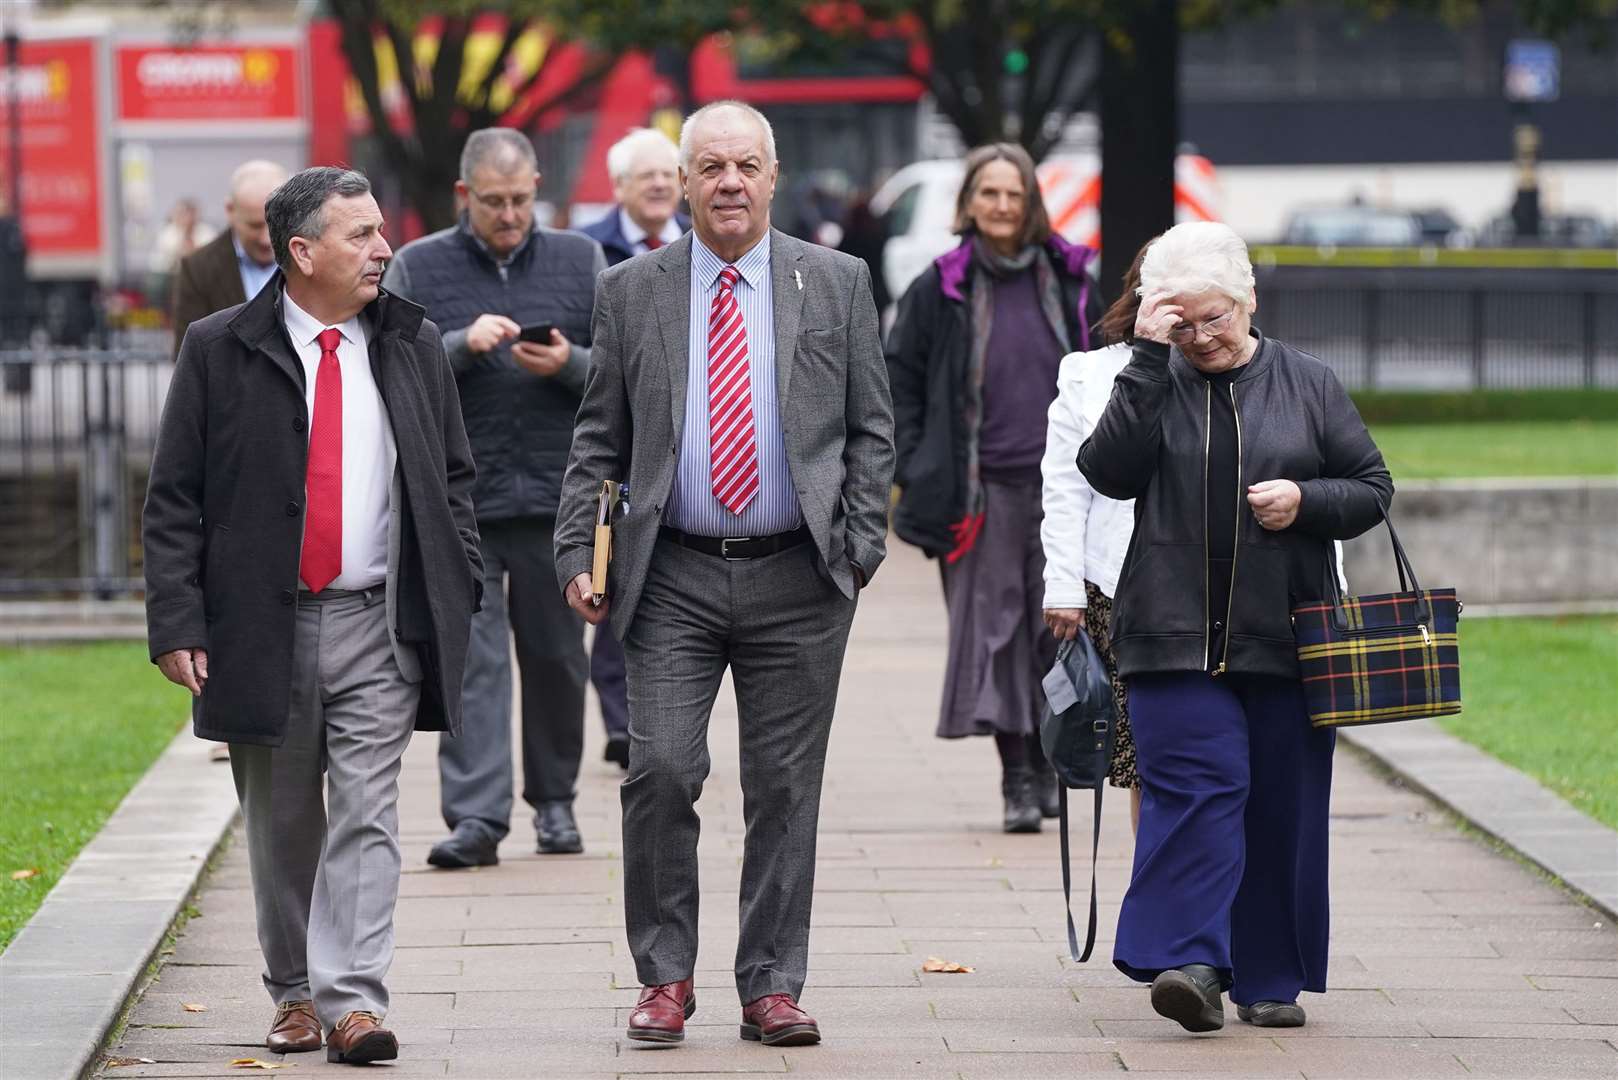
(1401, 562)
(1067, 874)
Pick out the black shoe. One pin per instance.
(617, 751)
(1272, 1014)
(464, 848)
(1022, 807)
(1048, 789)
(1191, 996)
(558, 832)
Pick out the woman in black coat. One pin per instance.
(972, 362)
(1246, 459)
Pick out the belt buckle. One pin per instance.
(724, 548)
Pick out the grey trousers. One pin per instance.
(781, 628)
(519, 597)
(324, 849)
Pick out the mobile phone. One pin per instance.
(537, 333)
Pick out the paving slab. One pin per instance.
(1448, 958)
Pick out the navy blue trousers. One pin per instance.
(612, 688)
(1230, 860)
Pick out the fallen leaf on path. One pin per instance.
(192, 1006)
(119, 1062)
(946, 967)
(24, 875)
(255, 1063)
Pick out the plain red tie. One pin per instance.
(323, 488)
(653, 242)
(732, 445)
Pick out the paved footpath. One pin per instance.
(1447, 958)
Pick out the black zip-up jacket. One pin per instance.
(1294, 421)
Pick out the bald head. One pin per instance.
(250, 187)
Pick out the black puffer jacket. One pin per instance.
(1294, 422)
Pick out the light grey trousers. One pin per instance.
(321, 810)
(781, 628)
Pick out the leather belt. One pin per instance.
(737, 548)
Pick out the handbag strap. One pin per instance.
(1067, 873)
(1401, 561)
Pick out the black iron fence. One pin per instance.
(77, 425)
(1415, 329)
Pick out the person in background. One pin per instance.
(644, 166)
(236, 264)
(1085, 535)
(1246, 459)
(973, 356)
(311, 573)
(181, 234)
(482, 281)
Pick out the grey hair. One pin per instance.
(248, 171)
(1197, 257)
(497, 146)
(691, 122)
(297, 208)
(621, 155)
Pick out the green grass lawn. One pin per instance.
(1503, 448)
(1542, 696)
(78, 726)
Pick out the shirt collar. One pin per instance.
(634, 234)
(304, 328)
(246, 259)
(754, 266)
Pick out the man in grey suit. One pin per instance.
(747, 405)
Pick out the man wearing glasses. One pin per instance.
(513, 302)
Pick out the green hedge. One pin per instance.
(1408, 407)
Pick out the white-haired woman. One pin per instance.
(1246, 459)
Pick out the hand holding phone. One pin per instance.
(537, 333)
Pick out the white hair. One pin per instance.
(692, 121)
(622, 154)
(1197, 257)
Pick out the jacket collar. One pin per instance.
(480, 250)
(259, 324)
(1263, 357)
(953, 264)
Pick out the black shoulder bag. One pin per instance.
(1077, 734)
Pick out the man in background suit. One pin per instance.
(645, 170)
(737, 382)
(231, 268)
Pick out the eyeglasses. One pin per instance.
(500, 203)
(1185, 333)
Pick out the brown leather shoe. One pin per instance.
(662, 1011)
(776, 1020)
(359, 1038)
(295, 1030)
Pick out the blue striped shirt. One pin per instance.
(691, 506)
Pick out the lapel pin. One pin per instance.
(799, 279)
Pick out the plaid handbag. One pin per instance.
(1376, 659)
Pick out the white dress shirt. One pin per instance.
(369, 452)
(635, 236)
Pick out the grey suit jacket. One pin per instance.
(832, 385)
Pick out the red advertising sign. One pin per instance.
(208, 82)
(61, 145)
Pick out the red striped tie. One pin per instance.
(323, 487)
(732, 444)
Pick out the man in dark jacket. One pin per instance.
(644, 166)
(311, 572)
(231, 268)
(493, 283)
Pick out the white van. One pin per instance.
(917, 205)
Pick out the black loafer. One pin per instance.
(464, 848)
(1190, 996)
(558, 832)
(1277, 1014)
